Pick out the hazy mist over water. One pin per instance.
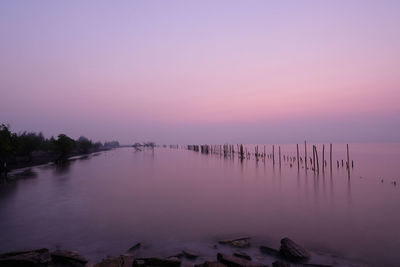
(200, 72)
(172, 199)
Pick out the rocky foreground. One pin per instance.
(289, 254)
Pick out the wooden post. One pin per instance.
(316, 156)
(331, 155)
(323, 158)
(348, 161)
(279, 156)
(273, 154)
(305, 153)
(298, 163)
(313, 158)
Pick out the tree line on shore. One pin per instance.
(27, 147)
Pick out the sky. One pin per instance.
(202, 71)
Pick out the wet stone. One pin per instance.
(269, 251)
(233, 261)
(68, 258)
(157, 262)
(120, 261)
(241, 242)
(39, 257)
(281, 264)
(287, 264)
(135, 247)
(243, 255)
(211, 264)
(190, 254)
(292, 251)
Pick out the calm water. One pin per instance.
(171, 199)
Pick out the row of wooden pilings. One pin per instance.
(229, 150)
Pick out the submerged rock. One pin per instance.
(157, 262)
(243, 255)
(241, 242)
(121, 261)
(39, 257)
(135, 247)
(281, 264)
(292, 251)
(210, 264)
(270, 251)
(68, 258)
(190, 254)
(287, 264)
(233, 261)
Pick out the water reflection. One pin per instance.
(62, 167)
(110, 201)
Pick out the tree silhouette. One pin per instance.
(64, 145)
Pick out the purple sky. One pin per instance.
(202, 71)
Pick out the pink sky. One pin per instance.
(205, 71)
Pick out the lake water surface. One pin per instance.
(169, 199)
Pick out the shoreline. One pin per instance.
(47, 159)
(239, 252)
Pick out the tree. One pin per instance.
(112, 144)
(5, 146)
(64, 145)
(84, 145)
(27, 142)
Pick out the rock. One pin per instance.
(233, 261)
(135, 247)
(139, 263)
(39, 257)
(68, 258)
(241, 254)
(292, 251)
(179, 255)
(286, 264)
(211, 264)
(121, 261)
(157, 262)
(190, 254)
(269, 251)
(241, 242)
(281, 264)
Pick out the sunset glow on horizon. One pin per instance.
(177, 71)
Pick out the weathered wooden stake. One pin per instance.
(313, 158)
(323, 158)
(348, 161)
(273, 154)
(279, 156)
(305, 153)
(298, 162)
(316, 155)
(331, 155)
